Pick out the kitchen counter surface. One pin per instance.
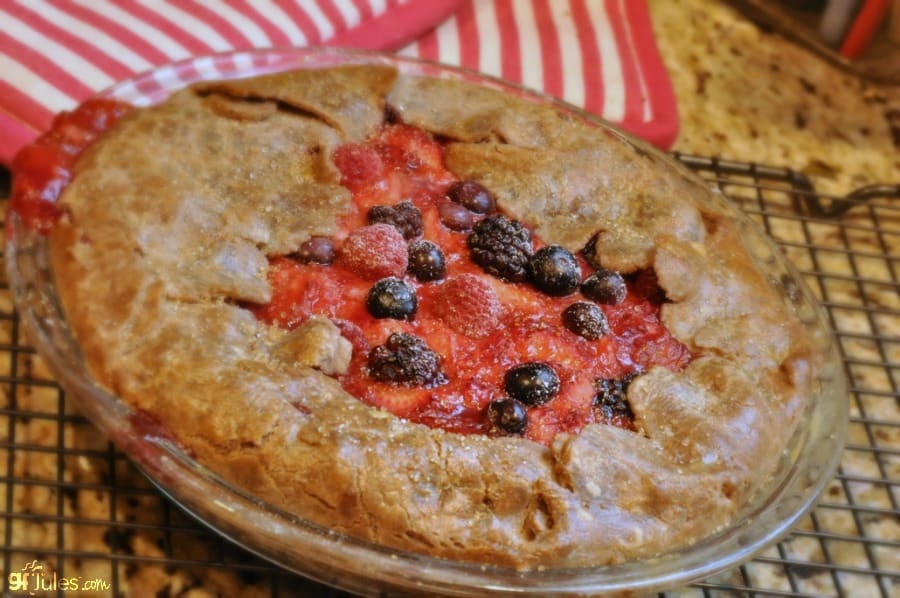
(749, 95)
(744, 95)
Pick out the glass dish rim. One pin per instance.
(164, 462)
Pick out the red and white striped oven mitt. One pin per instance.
(597, 54)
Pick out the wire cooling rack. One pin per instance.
(77, 514)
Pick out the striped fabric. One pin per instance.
(598, 54)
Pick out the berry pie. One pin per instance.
(422, 312)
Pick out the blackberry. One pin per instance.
(501, 247)
(532, 383)
(610, 398)
(426, 261)
(508, 415)
(473, 196)
(407, 360)
(404, 216)
(392, 298)
(586, 319)
(604, 286)
(554, 271)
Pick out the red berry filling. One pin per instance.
(360, 166)
(469, 305)
(478, 324)
(43, 168)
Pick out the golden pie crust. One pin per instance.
(168, 224)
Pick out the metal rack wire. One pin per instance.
(72, 506)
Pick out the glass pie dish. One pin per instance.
(805, 467)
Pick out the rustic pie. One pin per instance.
(424, 313)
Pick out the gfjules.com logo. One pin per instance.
(35, 577)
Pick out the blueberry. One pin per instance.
(315, 250)
(392, 298)
(586, 319)
(473, 196)
(508, 415)
(605, 287)
(455, 217)
(554, 271)
(532, 383)
(426, 261)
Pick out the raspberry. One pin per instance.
(360, 165)
(375, 251)
(406, 360)
(502, 247)
(404, 216)
(468, 305)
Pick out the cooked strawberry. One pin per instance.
(458, 409)
(411, 149)
(353, 333)
(375, 251)
(360, 165)
(298, 291)
(468, 304)
(401, 401)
